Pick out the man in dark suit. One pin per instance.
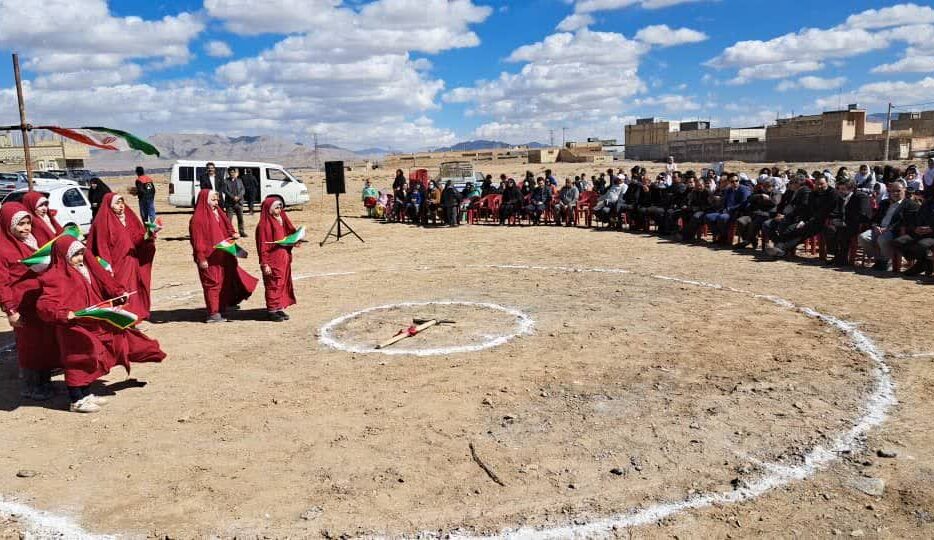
(821, 203)
(886, 225)
(791, 212)
(918, 240)
(852, 212)
(209, 180)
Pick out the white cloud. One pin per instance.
(878, 93)
(670, 103)
(346, 73)
(779, 70)
(93, 38)
(218, 49)
(589, 6)
(575, 21)
(898, 15)
(913, 62)
(811, 83)
(663, 36)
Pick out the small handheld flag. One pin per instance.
(115, 316)
(152, 228)
(231, 247)
(42, 257)
(292, 239)
(105, 265)
(106, 311)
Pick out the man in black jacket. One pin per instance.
(918, 240)
(886, 225)
(759, 208)
(692, 216)
(232, 193)
(821, 203)
(852, 213)
(511, 202)
(209, 179)
(794, 211)
(450, 201)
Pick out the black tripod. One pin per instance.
(337, 223)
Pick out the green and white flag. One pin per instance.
(291, 239)
(231, 247)
(115, 316)
(105, 265)
(153, 227)
(42, 257)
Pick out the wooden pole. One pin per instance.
(23, 127)
(888, 133)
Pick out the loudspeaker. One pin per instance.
(334, 174)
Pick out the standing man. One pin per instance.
(209, 179)
(146, 193)
(450, 202)
(232, 191)
(251, 185)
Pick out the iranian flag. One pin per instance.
(115, 316)
(42, 258)
(291, 239)
(153, 227)
(105, 265)
(231, 247)
(105, 139)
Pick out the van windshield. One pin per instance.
(281, 175)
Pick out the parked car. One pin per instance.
(68, 202)
(39, 174)
(10, 182)
(274, 180)
(83, 176)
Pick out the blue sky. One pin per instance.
(413, 74)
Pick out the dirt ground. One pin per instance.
(629, 391)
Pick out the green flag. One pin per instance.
(231, 247)
(42, 258)
(120, 318)
(291, 239)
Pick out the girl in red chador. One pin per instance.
(118, 237)
(225, 284)
(36, 347)
(44, 225)
(89, 348)
(275, 260)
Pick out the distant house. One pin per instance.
(46, 154)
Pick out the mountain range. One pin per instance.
(176, 146)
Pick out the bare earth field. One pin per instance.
(632, 404)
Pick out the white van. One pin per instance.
(275, 180)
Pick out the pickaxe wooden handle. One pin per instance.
(408, 332)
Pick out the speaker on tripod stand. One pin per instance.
(334, 179)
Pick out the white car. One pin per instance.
(274, 180)
(10, 182)
(68, 202)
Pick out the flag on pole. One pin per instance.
(115, 316)
(42, 257)
(231, 247)
(105, 139)
(291, 239)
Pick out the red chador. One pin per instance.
(275, 260)
(44, 225)
(118, 236)
(89, 348)
(36, 346)
(225, 284)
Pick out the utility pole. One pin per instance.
(888, 132)
(317, 163)
(23, 126)
(552, 137)
(564, 136)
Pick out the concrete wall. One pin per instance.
(543, 155)
(647, 152)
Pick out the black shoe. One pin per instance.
(742, 245)
(881, 266)
(916, 269)
(284, 315)
(276, 316)
(244, 235)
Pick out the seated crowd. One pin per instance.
(884, 212)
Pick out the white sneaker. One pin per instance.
(85, 406)
(97, 400)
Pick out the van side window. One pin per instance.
(186, 174)
(277, 175)
(72, 198)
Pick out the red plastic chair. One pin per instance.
(585, 207)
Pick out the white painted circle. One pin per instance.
(523, 325)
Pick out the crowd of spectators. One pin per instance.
(880, 214)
